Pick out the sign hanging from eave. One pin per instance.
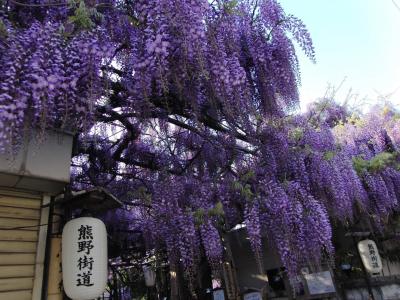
(370, 256)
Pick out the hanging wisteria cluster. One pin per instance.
(183, 109)
(48, 80)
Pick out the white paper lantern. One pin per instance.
(370, 256)
(84, 258)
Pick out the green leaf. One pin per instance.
(230, 6)
(377, 163)
(82, 16)
(329, 155)
(247, 193)
(217, 210)
(296, 134)
(381, 161)
(237, 185)
(248, 175)
(199, 216)
(360, 164)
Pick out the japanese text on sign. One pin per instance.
(370, 256)
(85, 261)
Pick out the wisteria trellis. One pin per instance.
(182, 108)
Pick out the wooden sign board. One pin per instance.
(252, 296)
(320, 283)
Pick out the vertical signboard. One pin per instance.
(320, 283)
(84, 258)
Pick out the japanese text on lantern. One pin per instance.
(85, 261)
(370, 256)
(372, 253)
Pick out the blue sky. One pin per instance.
(355, 40)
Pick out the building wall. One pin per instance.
(390, 268)
(247, 270)
(54, 291)
(387, 286)
(22, 245)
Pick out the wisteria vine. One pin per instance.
(184, 110)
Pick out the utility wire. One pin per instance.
(23, 227)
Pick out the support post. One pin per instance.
(48, 249)
(366, 276)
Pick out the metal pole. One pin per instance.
(366, 276)
(47, 251)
